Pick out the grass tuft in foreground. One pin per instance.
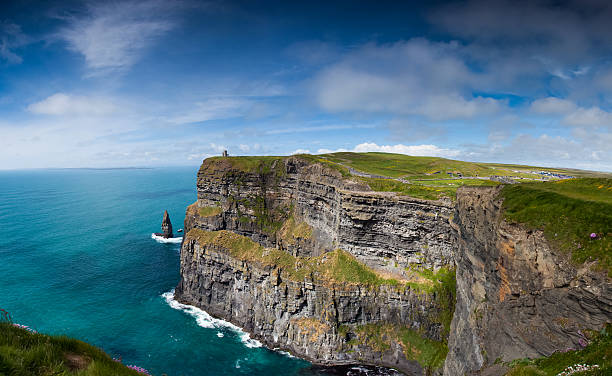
(568, 212)
(25, 353)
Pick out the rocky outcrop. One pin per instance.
(383, 304)
(166, 226)
(316, 318)
(516, 297)
(305, 211)
(382, 229)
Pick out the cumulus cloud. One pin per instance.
(587, 150)
(63, 104)
(416, 150)
(573, 115)
(564, 32)
(593, 116)
(415, 77)
(113, 35)
(552, 105)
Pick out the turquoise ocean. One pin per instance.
(77, 259)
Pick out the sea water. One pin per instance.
(77, 259)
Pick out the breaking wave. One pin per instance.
(205, 320)
(161, 239)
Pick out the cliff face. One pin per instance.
(318, 319)
(516, 297)
(364, 305)
(314, 262)
(383, 230)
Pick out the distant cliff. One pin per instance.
(310, 259)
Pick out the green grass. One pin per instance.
(412, 190)
(23, 353)
(567, 211)
(209, 211)
(336, 266)
(598, 351)
(443, 287)
(428, 353)
(324, 161)
(253, 164)
(399, 165)
(293, 230)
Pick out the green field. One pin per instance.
(568, 211)
(400, 165)
(429, 178)
(24, 353)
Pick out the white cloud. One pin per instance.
(586, 150)
(11, 39)
(593, 116)
(416, 150)
(301, 151)
(211, 109)
(114, 35)
(415, 77)
(572, 114)
(552, 105)
(63, 104)
(244, 148)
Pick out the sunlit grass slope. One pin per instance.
(568, 211)
(23, 353)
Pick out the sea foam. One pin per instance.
(161, 239)
(205, 320)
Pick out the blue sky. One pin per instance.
(159, 83)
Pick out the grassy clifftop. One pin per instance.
(429, 178)
(25, 353)
(575, 215)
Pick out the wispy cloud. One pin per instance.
(63, 104)
(11, 38)
(114, 35)
(212, 109)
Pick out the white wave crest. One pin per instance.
(161, 239)
(205, 320)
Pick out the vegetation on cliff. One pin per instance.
(575, 215)
(336, 266)
(26, 353)
(209, 211)
(379, 337)
(598, 352)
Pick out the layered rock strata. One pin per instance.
(516, 297)
(309, 211)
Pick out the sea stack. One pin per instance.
(166, 226)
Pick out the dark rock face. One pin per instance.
(381, 229)
(302, 317)
(516, 298)
(166, 226)
(384, 231)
